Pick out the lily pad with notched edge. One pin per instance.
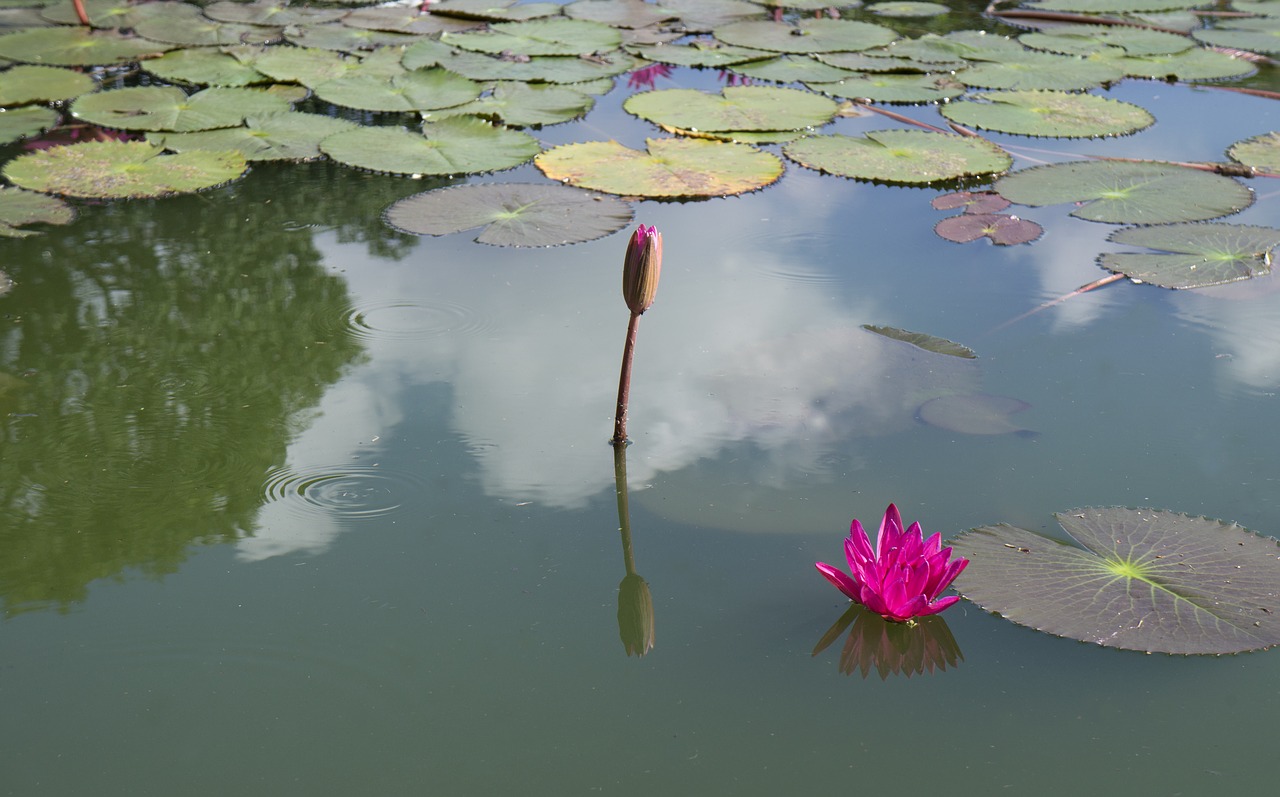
(534, 69)
(205, 66)
(1049, 113)
(463, 145)
(1199, 255)
(19, 208)
(1033, 70)
(512, 214)
(76, 46)
(1127, 193)
(619, 13)
(489, 10)
(561, 36)
(519, 104)
(417, 90)
(976, 413)
(736, 108)
(700, 53)
(806, 36)
(978, 202)
(1142, 579)
(278, 136)
(671, 167)
(900, 156)
(20, 85)
(1001, 229)
(122, 170)
(1260, 152)
(791, 69)
(881, 87)
(25, 122)
(1194, 64)
(169, 108)
(922, 341)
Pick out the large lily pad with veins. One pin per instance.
(121, 170)
(900, 156)
(409, 90)
(512, 214)
(309, 66)
(909, 88)
(76, 46)
(523, 105)
(1194, 64)
(1261, 152)
(461, 145)
(791, 69)
(619, 13)
(1034, 70)
(668, 168)
(500, 10)
(1090, 39)
(277, 136)
(208, 66)
(1128, 193)
(700, 53)
(1193, 255)
(1049, 113)
(19, 208)
(561, 36)
(1135, 579)
(169, 108)
(1255, 35)
(271, 12)
(532, 69)
(22, 84)
(179, 23)
(735, 108)
(806, 36)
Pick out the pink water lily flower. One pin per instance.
(902, 575)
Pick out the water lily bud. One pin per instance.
(642, 268)
(635, 615)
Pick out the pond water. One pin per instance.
(299, 505)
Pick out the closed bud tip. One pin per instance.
(642, 268)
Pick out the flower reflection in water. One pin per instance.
(646, 77)
(892, 648)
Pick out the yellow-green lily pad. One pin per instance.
(278, 136)
(1058, 114)
(462, 145)
(121, 170)
(1261, 152)
(22, 84)
(736, 108)
(19, 208)
(169, 108)
(76, 47)
(25, 122)
(900, 156)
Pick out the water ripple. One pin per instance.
(403, 320)
(348, 491)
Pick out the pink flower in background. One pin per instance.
(646, 77)
(901, 576)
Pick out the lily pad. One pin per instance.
(1194, 64)
(20, 85)
(1128, 193)
(523, 105)
(1117, 6)
(1142, 579)
(76, 46)
(900, 156)
(406, 19)
(907, 8)
(277, 13)
(683, 167)
(169, 108)
(207, 66)
(336, 36)
(927, 342)
(278, 136)
(1260, 152)
(1001, 229)
(977, 413)
(1260, 35)
(501, 10)
(1199, 255)
(806, 36)
(791, 69)
(101, 13)
(560, 36)
(309, 66)
(531, 69)
(1090, 39)
(977, 202)
(416, 90)
(19, 208)
(25, 122)
(179, 23)
(1049, 113)
(512, 214)
(736, 108)
(700, 52)
(620, 13)
(702, 16)
(894, 88)
(462, 145)
(121, 170)
(1032, 70)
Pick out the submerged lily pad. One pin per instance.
(512, 214)
(900, 156)
(977, 413)
(169, 108)
(462, 145)
(1143, 579)
(1199, 255)
(121, 170)
(1049, 113)
(277, 136)
(671, 167)
(736, 108)
(25, 122)
(20, 85)
(1128, 193)
(19, 208)
(922, 341)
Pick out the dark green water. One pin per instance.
(296, 505)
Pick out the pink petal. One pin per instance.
(890, 529)
(841, 581)
(939, 605)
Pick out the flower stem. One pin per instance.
(624, 383)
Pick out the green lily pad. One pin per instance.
(893, 88)
(523, 105)
(121, 170)
(1142, 579)
(406, 19)
(791, 69)
(672, 167)
(900, 156)
(1032, 70)
(1194, 64)
(1117, 6)
(309, 66)
(1199, 255)
(921, 340)
(736, 108)
(463, 145)
(907, 8)
(21, 123)
(877, 61)
(336, 36)
(20, 85)
(19, 208)
(619, 13)
(1049, 113)
(1261, 152)
(274, 13)
(416, 90)
(703, 16)
(76, 47)
(533, 69)
(512, 214)
(496, 10)
(1090, 39)
(169, 108)
(977, 414)
(101, 13)
(1255, 35)
(206, 66)
(278, 136)
(1128, 193)
(700, 52)
(561, 36)
(806, 36)
(179, 23)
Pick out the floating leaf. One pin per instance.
(791, 69)
(1032, 70)
(907, 8)
(76, 46)
(406, 19)
(277, 13)
(179, 23)
(1260, 152)
(1090, 39)
(463, 145)
(535, 69)
(1049, 113)
(169, 108)
(204, 66)
(894, 88)
(19, 208)
(900, 156)
(20, 85)
(1001, 229)
(1255, 35)
(1195, 64)
(539, 37)
(1200, 254)
(336, 36)
(736, 108)
(806, 36)
(101, 13)
(1143, 579)
(278, 136)
(416, 90)
(977, 202)
(671, 167)
(25, 122)
(512, 214)
(977, 413)
(700, 53)
(922, 341)
(508, 10)
(1128, 193)
(306, 65)
(619, 13)
(1117, 6)
(121, 169)
(523, 105)
(701, 16)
